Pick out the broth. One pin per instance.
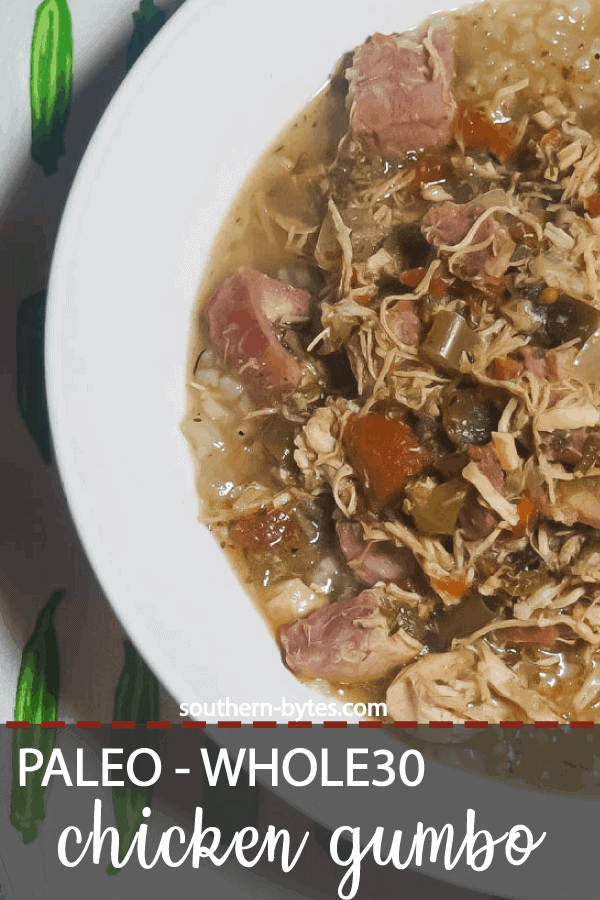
(484, 248)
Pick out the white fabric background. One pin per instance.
(39, 549)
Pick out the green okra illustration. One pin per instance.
(136, 700)
(147, 23)
(36, 702)
(31, 386)
(51, 82)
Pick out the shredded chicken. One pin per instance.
(493, 498)
(441, 443)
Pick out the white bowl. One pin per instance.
(168, 158)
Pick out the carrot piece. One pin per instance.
(456, 587)
(551, 138)
(385, 454)
(431, 169)
(475, 129)
(438, 287)
(549, 296)
(592, 204)
(527, 513)
(413, 277)
(263, 530)
(523, 234)
(506, 368)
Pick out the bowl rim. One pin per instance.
(64, 318)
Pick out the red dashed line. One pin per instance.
(367, 723)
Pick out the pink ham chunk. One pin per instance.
(404, 322)
(400, 92)
(565, 446)
(554, 365)
(559, 363)
(534, 363)
(373, 561)
(446, 224)
(489, 465)
(347, 641)
(476, 521)
(242, 318)
(543, 637)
